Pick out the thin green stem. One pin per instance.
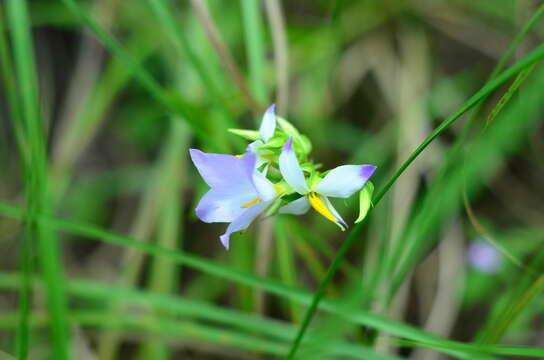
(527, 61)
(454, 153)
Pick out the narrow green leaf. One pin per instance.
(525, 62)
(293, 294)
(254, 41)
(251, 135)
(36, 188)
(365, 201)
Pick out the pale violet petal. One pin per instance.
(264, 187)
(333, 211)
(222, 204)
(345, 180)
(224, 170)
(268, 124)
(254, 147)
(297, 207)
(243, 221)
(290, 168)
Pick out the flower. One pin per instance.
(238, 194)
(484, 257)
(342, 182)
(266, 131)
(268, 124)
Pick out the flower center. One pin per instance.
(320, 206)
(253, 202)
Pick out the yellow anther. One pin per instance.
(257, 200)
(320, 206)
(239, 156)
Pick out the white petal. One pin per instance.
(340, 221)
(268, 124)
(345, 180)
(290, 168)
(297, 207)
(253, 147)
(243, 221)
(264, 187)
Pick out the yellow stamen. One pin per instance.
(239, 156)
(320, 206)
(257, 200)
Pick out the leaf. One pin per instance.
(365, 200)
(287, 127)
(251, 135)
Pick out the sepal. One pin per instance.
(251, 135)
(365, 200)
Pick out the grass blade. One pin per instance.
(145, 79)
(36, 180)
(295, 295)
(527, 61)
(253, 31)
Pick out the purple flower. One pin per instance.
(342, 182)
(268, 124)
(238, 194)
(484, 257)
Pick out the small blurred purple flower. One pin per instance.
(484, 257)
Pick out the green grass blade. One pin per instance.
(172, 306)
(36, 174)
(277, 330)
(253, 30)
(201, 65)
(164, 273)
(295, 295)
(155, 197)
(22, 337)
(75, 138)
(10, 87)
(25, 292)
(527, 61)
(146, 80)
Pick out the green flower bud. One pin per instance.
(289, 129)
(305, 144)
(365, 200)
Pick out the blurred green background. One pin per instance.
(103, 256)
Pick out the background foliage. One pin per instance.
(104, 258)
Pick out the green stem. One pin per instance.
(527, 61)
(25, 261)
(36, 181)
(454, 153)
